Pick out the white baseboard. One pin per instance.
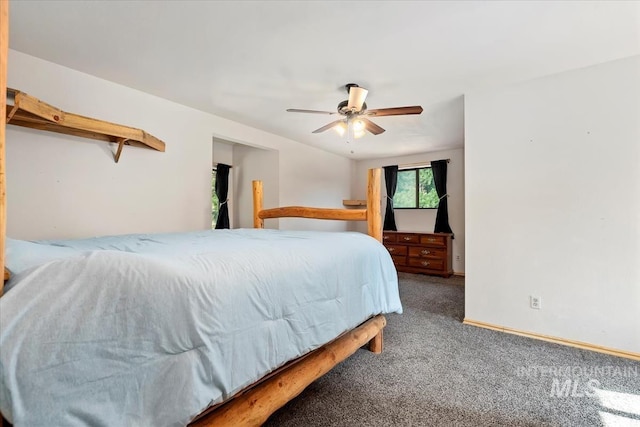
(571, 343)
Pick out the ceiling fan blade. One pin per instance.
(397, 111)
(357, 96)
(372, 127)
(327, 127)
(297, 110)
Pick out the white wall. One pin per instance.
(254, 164)
(64, 187)
(422, 219)
(60, 186)
(318, 179)
(306, 177)
(222, 152)
(553, 205)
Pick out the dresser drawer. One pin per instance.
(389, 238)
(428, 252)
(432, 239)
(418, 252)
(399, 259)
(427, 263)
(396, 249)
(408, 238)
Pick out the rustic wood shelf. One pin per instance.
(28, 111)
(354, 203)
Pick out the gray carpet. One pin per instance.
(436, 371)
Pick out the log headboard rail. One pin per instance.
(371, 214)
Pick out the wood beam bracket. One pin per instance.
(12, 112)
(120, 142)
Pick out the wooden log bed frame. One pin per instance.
(253, 405)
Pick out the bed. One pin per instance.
(211, 327)
(127, 325)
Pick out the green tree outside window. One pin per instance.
(214, 200)
(415, 189)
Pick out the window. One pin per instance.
(415, 189)
(214, 200)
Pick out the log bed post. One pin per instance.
(374, 218)
(257, 204)
(4, 51)
(374, 229)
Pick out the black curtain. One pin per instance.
(439, 169)
(390, 179)
(222, 190)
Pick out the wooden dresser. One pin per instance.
(426, 253)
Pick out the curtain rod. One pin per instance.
(418, 164)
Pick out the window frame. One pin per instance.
(417, 174)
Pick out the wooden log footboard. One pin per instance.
(253, 406)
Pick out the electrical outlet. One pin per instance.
(457, 257)
(535, 302)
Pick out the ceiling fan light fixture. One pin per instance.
(340, 128)
(358, 128)
(357, 96)
(355, 114)
(355, 129)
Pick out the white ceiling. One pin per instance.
(250, 61)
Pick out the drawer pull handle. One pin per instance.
(425, 252)
(425, 263)
(386, 237)
(431, 239)
(407, 238)
(391, 249)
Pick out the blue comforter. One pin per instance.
(150, 330)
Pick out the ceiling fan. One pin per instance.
(355, 114)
